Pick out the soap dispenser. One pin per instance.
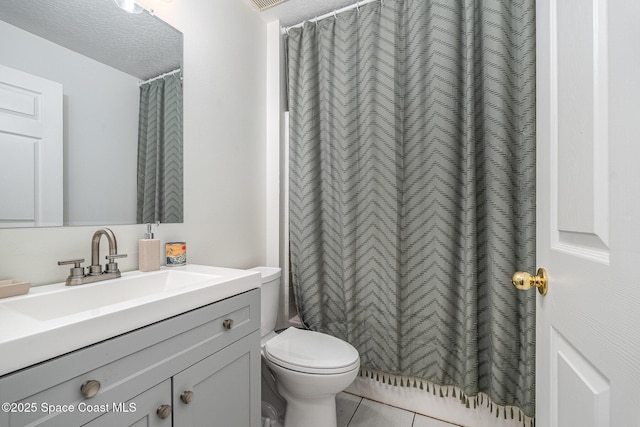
(149, 252)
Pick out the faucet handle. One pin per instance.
(77, 262)
(112, 267)
(76, 271)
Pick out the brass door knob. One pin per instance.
(164, 411)
(90, 388)
(524, 281)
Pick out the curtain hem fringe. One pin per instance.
(481, 401)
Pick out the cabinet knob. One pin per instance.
(186, 396)
(227, 323)
(90, 388)
(164, 411)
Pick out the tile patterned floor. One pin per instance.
(355, 411)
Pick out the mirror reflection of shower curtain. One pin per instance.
(160, 160)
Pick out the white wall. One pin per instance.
(90, 138)
(224, 134)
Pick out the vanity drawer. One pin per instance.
(124, 366)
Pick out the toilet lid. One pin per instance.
(311, 352)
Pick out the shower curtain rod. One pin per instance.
(161, 76)
(356, 5)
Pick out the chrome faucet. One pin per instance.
(77, 275)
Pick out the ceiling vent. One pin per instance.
(266, 4)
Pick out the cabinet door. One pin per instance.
(225, 388)
(142, 410)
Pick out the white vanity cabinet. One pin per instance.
(198, 368)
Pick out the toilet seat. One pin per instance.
(311, 352)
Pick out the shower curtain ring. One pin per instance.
(358, 6)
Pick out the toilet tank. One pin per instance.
(269, 297)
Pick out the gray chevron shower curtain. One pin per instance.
(160, 159)
(412, 189)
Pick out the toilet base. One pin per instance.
(318, 413)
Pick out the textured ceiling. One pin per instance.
(138, 44)
(293, 12)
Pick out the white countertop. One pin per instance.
(55, 319)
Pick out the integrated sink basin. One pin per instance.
(93, 296)
(54, 319)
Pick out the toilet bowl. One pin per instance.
(310, 368)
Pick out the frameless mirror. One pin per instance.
(99, 55)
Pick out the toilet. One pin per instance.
(310, 368)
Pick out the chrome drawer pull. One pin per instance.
(228, 323)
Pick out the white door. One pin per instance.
(588, 213)
(31, 171)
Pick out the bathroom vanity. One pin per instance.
(186, 369)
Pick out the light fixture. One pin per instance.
(129, 6)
